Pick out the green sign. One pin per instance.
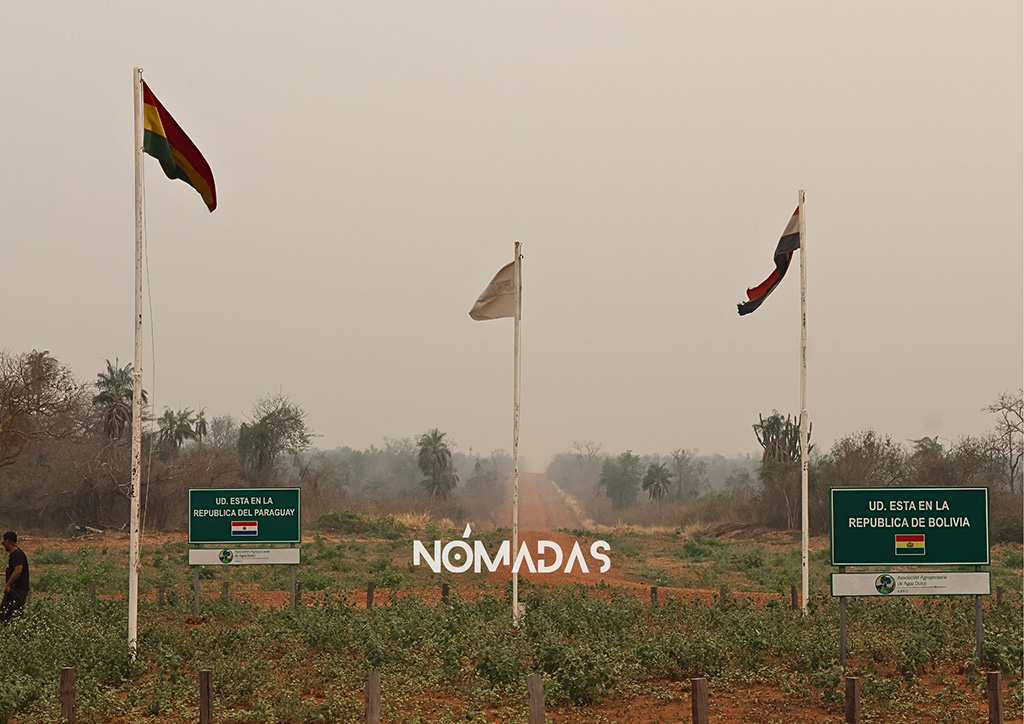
(244, 515)
(909, 526)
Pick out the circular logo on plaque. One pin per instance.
(885, 584)
(226, 556)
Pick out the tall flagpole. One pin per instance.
(804, 543)
(133, 524)
(515, 438)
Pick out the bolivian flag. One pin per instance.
(910, 545)
(178, 156)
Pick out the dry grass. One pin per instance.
(697, 520)
(413, 522)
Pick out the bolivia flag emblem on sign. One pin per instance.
(912, 545)
(249, 527)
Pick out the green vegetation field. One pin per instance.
(605, 652)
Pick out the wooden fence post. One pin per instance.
(160, 594)
(852, 700)
(999, 595)
(699, 704)
(67, 694)
(654, 595)
(224, 593)
(372, 697)
(995, 698)
(792, 598)
(205, 696)
(444, 594)
(369, 594)
(92, 587)
(535, 691)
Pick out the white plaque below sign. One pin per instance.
(903, 583)
(242, 556)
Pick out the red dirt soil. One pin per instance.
(542, 511)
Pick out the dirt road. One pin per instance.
(541, 508)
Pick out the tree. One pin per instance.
(489, 472)
(175, 428)
(968, 461)
(927, 463)
(780, 437)
(689, 474)
(739, 483)
(200, 426)
(779, 472)
(578, 472)
(39, 400)
(620, 478)
(224, 432)
(116, 388)
(434, 458)
(587, 449)
(323, 483)
(656, 481)
(864, 459)
(277, 425)
(1007, 440)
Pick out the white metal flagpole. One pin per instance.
(515, 438)
(804, 542)
(133, 524)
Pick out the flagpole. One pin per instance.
(804, 542)
(133, 524)
(515, 437)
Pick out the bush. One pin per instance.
(344, 521)
(53, 557)
(1007, 520)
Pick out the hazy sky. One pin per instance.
(375, 161)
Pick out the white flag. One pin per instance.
(498, 300)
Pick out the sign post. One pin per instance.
(244, 526)
(910, 527)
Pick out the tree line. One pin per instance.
(65, 453)
(65, 462)
(767, 492)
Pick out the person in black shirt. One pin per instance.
(16, 581)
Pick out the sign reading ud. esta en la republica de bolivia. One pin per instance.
(910, 526)
(244, 515)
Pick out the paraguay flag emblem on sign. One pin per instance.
(910, 545)
(245, 527)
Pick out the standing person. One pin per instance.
(16, 581)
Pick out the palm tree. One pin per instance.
(200, 426)
(656, 481)
(175, 429)
(116, 388)
(435, 460)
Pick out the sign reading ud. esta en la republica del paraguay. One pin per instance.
(244, 515)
